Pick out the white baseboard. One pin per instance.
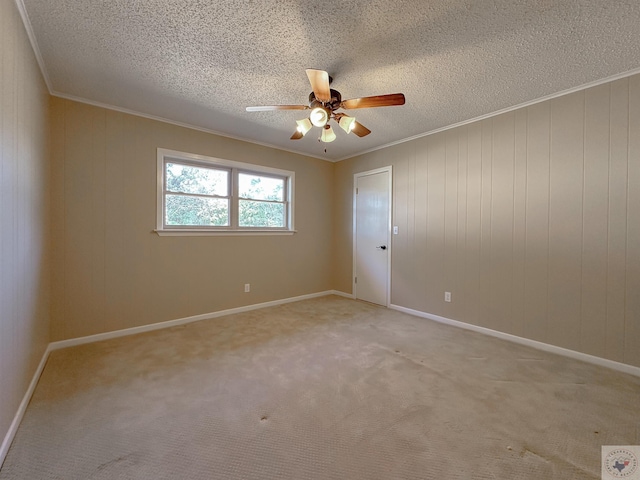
(181, 321)
(585, 357)
(342, 294)
(13, 428)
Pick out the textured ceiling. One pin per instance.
(201, 62)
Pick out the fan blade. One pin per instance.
(360, 130)
(319, 80)
(297, 135)
(268, 108)
(375, 101)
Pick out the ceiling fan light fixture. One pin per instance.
(323, 103)
(347, 123)
(304, 125)
(319, 116)
(328, 135)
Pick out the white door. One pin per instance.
(372, 225)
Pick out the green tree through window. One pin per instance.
(198, 193)
(261, 201)
(199, 197)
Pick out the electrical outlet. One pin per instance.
(447, 296)
(247, 287)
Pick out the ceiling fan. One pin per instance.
(323, 103)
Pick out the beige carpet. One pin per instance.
(322, 389)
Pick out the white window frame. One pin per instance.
(167, 156)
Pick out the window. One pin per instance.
(200, 195)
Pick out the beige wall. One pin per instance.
(531, 219)
(24, 172)
(112, 272)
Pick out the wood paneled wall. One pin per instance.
(24, 227)
(531, 219)
(111, 271)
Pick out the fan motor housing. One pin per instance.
(334, 103)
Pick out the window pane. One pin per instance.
(198, 180)
(261, 214)
(260, 188)
(187, 211)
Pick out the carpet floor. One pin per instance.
(327, 388)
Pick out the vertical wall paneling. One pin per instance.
(565, 220)
(57, 209)
(136, 183)
(595, 213)
(436, 152)
(450, 218)
(149, 272)
(486, 217)
(79, 216)
(472, 276)
(461, 228)
(617, 234)
(501, 231)
(400, 281)
(10, 390)
(117, 273)
(531, 221)
(632, 280)
(98, 208)
(519, 222)
(537, 222)
(421, 264)
(24, 216)
(116, 227)
(413, 288)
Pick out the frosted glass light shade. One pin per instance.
(319, 117)
(347, 123)
(328, 135)
(304, 125)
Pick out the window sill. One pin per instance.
(185, 232)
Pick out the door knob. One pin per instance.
(382, 247)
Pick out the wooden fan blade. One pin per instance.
(360, 130)
(375, 101)
(268, 108)
(319, 80)
(297, 135)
